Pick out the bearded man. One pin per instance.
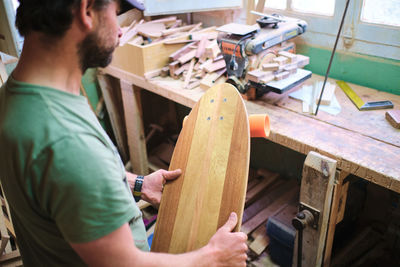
(69, 195)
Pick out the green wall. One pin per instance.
(374, 72)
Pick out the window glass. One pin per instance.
(321, 7)
(15, 4)
(277, 4)
(381, 12)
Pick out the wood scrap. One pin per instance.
(167, 20)
(138, 40)
(151, 30)
(212, 49)
(187, 57)
(179, 29)
(178, 53)
(195, 28)
(282, 75)
(189, 74)
(393, 117)
(151, 74)
(256, 75)
(215, 66)
(194, 84)
(270, 67)
(281, 60)
(164, 71)
(292, 57)
(208, 35)
(178, 42)
(302, 61)
(180, 70)
(202, 47)
(172, 68)
(291, 68)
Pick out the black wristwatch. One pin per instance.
(137, 189)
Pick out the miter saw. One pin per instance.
(238, 42)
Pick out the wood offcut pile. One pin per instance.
(198, 63)
(140, 32)
(277, 66)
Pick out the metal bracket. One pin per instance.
(314, 212)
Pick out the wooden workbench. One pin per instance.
(362, 142)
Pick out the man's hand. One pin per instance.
(228, 248)
(153, 185)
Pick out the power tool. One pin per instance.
(238, 42)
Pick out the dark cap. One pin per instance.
(135, 3)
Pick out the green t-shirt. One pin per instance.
(61, 174)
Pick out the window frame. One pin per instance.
(357, 36)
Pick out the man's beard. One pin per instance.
(92, 54)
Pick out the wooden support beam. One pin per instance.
(109, 87)
(337, 211)
(134, 127)
(316, 193)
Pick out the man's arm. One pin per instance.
(117, 249)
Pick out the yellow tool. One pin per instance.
(358, 101)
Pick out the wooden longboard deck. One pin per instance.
(213, 152)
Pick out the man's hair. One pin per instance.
(51, 17)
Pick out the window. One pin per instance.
(382, 12)
(371, 27)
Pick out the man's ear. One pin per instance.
(86, 14)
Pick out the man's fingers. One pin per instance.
(231, 223)
(170, 175)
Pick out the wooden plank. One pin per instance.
(110, 90)
(151, 74)
(151, 30)
(197, 36)
(181, 69)
(255, 192)
(212, 49)
(281, 60)
(270, 67)
(263, 215)
(282, 75)
(179, 29)
(172, 68)
(134, 127)
(202, 47)
(187, 57)
(337, 212)
(256, 75)
(393, 117)
(292, 57)
(213, 153)
(189, 73)
(316, 192)
(178, 53)
(215, 66)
